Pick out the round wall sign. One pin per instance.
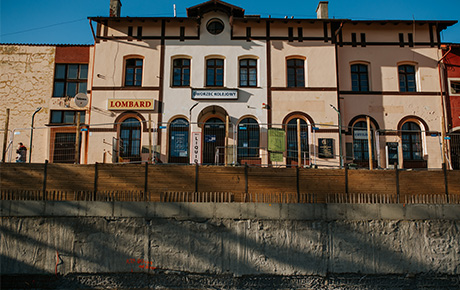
(81, 100)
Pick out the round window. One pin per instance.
(215, 26)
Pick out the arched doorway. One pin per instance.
(214, 141)
(292, 154)
(178, 141)
(130, 140)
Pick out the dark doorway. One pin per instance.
(214, 141)
(130, 136)
(455, 150)
(64, 148)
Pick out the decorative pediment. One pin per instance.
(215, 5)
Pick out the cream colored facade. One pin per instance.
(326, 48)
(219, 81)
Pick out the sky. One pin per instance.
(66, 21)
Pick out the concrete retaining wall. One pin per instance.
(241, 239)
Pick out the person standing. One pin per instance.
(22, 153)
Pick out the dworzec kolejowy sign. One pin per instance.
(202, 94)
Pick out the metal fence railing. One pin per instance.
(217, 143)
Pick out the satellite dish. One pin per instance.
(81, 100)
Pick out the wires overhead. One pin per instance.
(42, 27)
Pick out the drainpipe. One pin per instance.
(32, 132)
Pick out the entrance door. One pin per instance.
(130, 135)
(292, 143)
(214, 141)
(64, 148)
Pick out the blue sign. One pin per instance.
(210, 138)
(162, 127)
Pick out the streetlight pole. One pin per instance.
(340, 135)
(32, 132)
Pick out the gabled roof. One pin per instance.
(215, 5)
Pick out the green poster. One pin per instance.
(276, 139)
(276, 157)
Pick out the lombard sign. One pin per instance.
(203, 94)
(131, 104)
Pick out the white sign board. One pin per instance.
(214, 94)
(81, 100)
(195, 157)
(360, 134)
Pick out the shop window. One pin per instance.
(359, 78)
(178, 141)
(248, 73)
(406, 78)
(215, 73)
(133, 72)
(248, 138)
(66, 117)
(181, 72)
(70, 79)
(295, 73)
(411, 142)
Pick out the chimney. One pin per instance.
(321, 10)
(115, 8)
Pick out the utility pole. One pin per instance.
(77, 140)
(5, 136)
(369, 142)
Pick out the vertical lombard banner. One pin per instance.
(195, 157)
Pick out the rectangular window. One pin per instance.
(363, 39)
(248, 73)
(359, 78)
(295, 73)
(291, 34)
(410, 37)
(66, 117)
(133, 72)
(181, 72)
(70, 79)
(401, 40)
(215, 73)
(353, 40)
(454, 86)
(407, 78)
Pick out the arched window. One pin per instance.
(292, 141)
(359, 78)
(133, 72)
(411, 141)
(406, 78)
(361, 143)
(130, 139)
(178, 141)
(215, 72)
(248, 73)
(248, 138)
(295, 73)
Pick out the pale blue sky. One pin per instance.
(65, 21)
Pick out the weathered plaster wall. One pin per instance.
(238, 239)
(26, 82)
